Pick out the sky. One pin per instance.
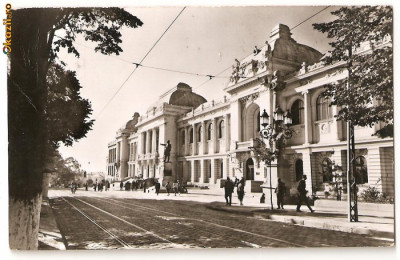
(203, 40)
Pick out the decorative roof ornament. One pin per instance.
(277, 82)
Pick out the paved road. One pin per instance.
(102, 222)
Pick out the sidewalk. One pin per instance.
(49, 235)
(370, 223)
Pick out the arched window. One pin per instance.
(221, 129)
(323, 108)
(327, 170)
(183, 137)
(299, 169)
(361, 170)
(191, 135)
(209, 131)
(297, 111)
(199, 134)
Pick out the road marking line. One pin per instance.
(222, 226)
(122, 242)
(123, 220)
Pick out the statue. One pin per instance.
(256, 50)
(167, 151)
(267, 50)
(303, 68)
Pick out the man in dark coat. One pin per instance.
(158, 186)
(280, 192)
(240, 190)
(301, 188)
(228, 191)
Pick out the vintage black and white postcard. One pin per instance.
(199, 126)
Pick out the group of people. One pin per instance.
(177, 188)
(229, 189)
(302, 197)
(280, 191)
(134, 185)
(100, 186)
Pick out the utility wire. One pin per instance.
(178, 71)
(246, 56)
(310, 17)
(138, 64)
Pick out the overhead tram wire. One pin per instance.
(246, 56)
(309, 18)
(178, 71)
(150, 67)
(137, 65)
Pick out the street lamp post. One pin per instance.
(275, 134)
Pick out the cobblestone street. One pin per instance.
(105, 222)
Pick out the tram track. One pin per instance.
(168, 224)
(118, 203)
(111, 234)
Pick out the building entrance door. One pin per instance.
(250, 169)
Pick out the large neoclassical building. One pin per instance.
(211, 139)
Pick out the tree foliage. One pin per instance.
(71, 124)
(44, 102)
(366, 96)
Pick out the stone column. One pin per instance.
(213, 171)
(336, 125)
(194, 140)
(202, 171)
(227, 132)
(203, 137)
(236, 121)
(225, 170)
(153, 140)
(187, 140)
(308, 122)
(142, 143)
(148, 141)
(124, 156)
(214, 136)
(307, 168)
(192, 171)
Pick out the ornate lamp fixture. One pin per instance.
(280, 125)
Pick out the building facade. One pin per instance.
(211, 140)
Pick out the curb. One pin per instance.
(327, 224)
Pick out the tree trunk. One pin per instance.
(24, 218)
(27, 131)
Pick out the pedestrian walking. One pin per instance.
(121, 185)
(301, 188)
(168, 187)
(240, 191)
(228, 191)
(108, 185)
(86, 186)
(280, 192)
(158, 186)
(177, 188)
(144, 187)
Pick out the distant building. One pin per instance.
(210, 140)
